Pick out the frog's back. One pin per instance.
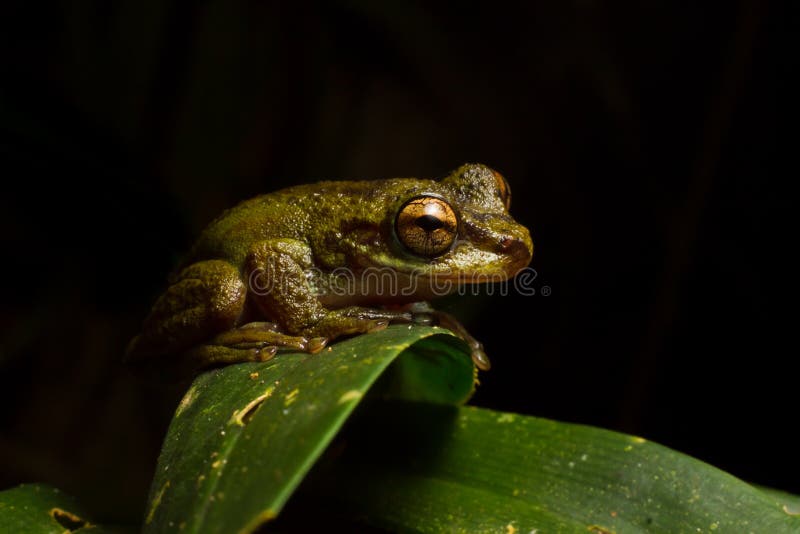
(293, 213)
(306, 213)
(232, 233)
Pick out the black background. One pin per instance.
(646, 145)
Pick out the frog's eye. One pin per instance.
(503, 189)
(426, 225)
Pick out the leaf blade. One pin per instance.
(245, 435)
(490, 472)
(43, 509)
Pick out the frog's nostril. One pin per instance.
(507, 242)
(515, 247)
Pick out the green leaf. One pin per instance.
(42, 509)
(486, 471)
(244, 436)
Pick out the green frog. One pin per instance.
(305, 265)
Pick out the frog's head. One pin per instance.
(459, 229)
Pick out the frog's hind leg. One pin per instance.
(251, 342)
(205, 299)
(258, 335)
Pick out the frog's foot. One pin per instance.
(252, 342)
(355, 320)
(337, 326)
(423, 313)
(261, 336)
(477, 353)
(215, 355)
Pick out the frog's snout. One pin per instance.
(507, 240)
(508, 244)
(520, 248)
(516, 243)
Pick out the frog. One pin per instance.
(297, 268)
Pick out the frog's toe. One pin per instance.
(480, 359)
(258, 336)
(265, 353)
(316, 344)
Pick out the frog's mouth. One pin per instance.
(388, 278)
(503, 259)
(479, 257)
(466, 264)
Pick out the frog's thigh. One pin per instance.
(206, 299)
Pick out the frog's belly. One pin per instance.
(377, 287)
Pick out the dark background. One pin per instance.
(645, 144)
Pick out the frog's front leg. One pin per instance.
(279, 287)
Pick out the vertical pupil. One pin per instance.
(429, 223)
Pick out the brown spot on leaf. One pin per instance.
(68, 520)
(243, 416)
